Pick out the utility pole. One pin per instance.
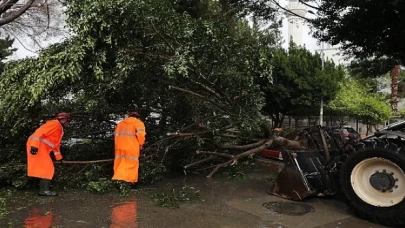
(323, 65)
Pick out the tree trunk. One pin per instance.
(280, 124)
(276, 120)
(394, 88)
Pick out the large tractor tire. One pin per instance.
(373, 185)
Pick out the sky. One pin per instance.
(30, 50)
(309, 41)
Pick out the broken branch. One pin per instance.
(199, 162)
(244, 147)
(215, 103)
(215, 154)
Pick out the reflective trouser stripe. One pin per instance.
(42, 140)
(56, 153)
(125, 134)
(126, 157)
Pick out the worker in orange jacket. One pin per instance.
(129, 137)
(41, 145)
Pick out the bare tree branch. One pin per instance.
(288, 144)
(215, 154)
(92, 133)
(210, 90)
(83, 162)
(234, 159)
(290, 12)
(220, 166)
(187, 134)
(310, 6)
(163, 38)
(6, 5)
(12, 17)
(19, 41)
(244, 147)
(216, 104)
(199, 162)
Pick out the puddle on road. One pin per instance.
(289, 208)
(124, 215)
(78, 208)
(38, 219)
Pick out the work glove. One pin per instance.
(52, 156)
(33, 150)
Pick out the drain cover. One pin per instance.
(289, 208)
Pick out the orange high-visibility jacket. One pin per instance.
(129, 135)
(124, 215)
(46, 138)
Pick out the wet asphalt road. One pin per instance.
(78, 208)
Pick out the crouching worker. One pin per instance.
(44, 143)
(129, 137)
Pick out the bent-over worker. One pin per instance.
(41, 145)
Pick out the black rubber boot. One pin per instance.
(44, 188)
(134, 185)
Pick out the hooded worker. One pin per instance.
(41, 145)
(129, 137)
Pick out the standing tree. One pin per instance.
(5, 51)
(299, 83)
(354, 99)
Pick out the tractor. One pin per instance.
(368, 173)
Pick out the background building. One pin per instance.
(299, 32)
(295, 23)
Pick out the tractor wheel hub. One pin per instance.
(382, 181)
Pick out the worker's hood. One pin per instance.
(130, 120)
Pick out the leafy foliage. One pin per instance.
(299, 82)
(122, 56)
(151, 172)
(172, 200)
(370, 31)
(4, 195)
(5, 50)
(235, 173)
(354, 99)
(100, 186)
(364, 28)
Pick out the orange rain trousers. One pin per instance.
(129, 136)
(46, 138)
